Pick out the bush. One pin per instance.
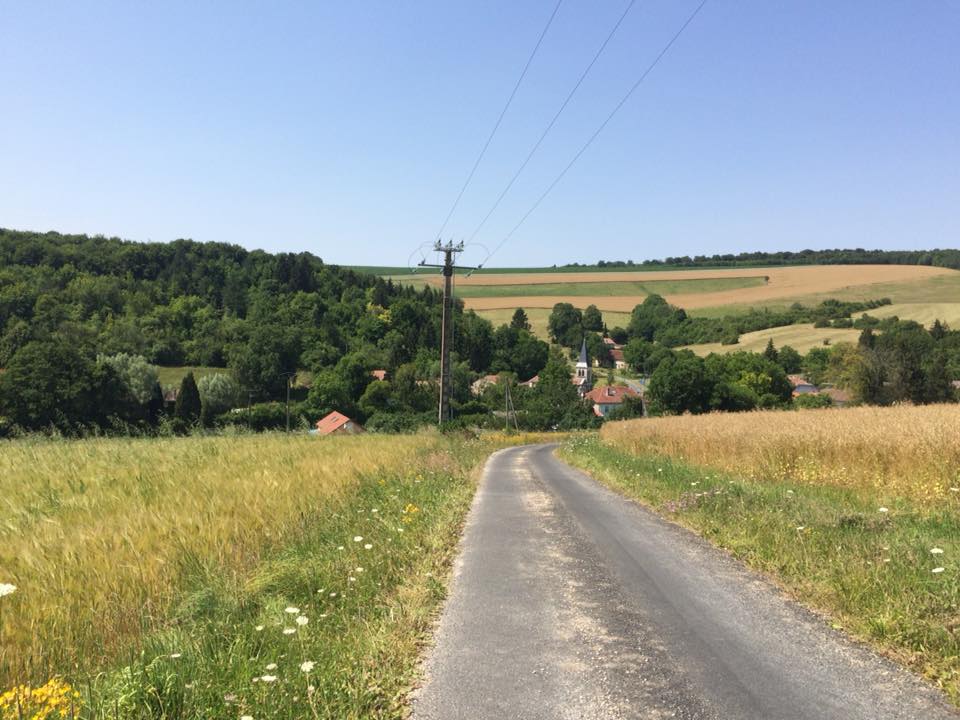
(808, 402)
(259, 417)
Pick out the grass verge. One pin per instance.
(223, 577)
(871, 568)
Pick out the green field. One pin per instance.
(171, 376)
(593, 289)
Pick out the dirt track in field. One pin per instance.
(784, 282)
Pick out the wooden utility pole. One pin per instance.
(446, 332)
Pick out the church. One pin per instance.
(583, 375)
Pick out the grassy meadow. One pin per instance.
(217, 577)
(854, 512)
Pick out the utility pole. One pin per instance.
(446, 332)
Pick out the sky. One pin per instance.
(347, 129)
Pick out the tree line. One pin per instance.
(945, 257)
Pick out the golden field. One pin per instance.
(98, 534)
(784, 285)
(900, 451)
(800, 337)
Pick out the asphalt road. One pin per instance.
(569, 601)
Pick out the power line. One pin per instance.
(553, 121)
(503, 112)
(597, 132)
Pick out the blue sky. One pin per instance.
(347, 129)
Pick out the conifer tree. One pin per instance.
(187, 408)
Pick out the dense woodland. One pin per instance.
(83, 319)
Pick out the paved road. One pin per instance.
(571, 602)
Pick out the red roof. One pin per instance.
(617, 355)
(379, 374)
(611, 394)
(330, 423)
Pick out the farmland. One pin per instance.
(695, 289)
(855, 512)
(918, 292)
(223, 576)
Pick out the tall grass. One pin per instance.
(155, 574)
(901, 451)
(855, 512)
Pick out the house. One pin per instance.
(616, 354)
(801, 386)
(583, 374)
(483, 383)
(338, 424)
(532, 382)
(378, 374)
(609, 342)
(607, 399)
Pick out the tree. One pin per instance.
(565, 325)
(554, 402)
(680, 385)
(592, 319)
(520, 321)
(52, 384)
(636, 352)
(790, 360)
(770, 353)
(137, 375)
(376, 398)
(188, 406)
(653, 315)
(219, 392)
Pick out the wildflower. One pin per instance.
(307, 666)
(246, 717)
(7, 589)
(883, 510)
(937, 570)
(659, 469)
(333, 594)
(801, 527)
(374, 510)
(358, 538)
(321, 591)
(268, 678)
(302, 620)
(289, 631)
(176, 655)
(292, 610)
(359, 569)
(259, 628)
(936, 551)
(311, 689)
(351, 579)
(368, 546)
(271, 666)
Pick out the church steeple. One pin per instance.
(584, 376)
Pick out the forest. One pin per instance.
(84, 320)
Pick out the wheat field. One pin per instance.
(784, 285)
(99, 534)
(907, 451)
